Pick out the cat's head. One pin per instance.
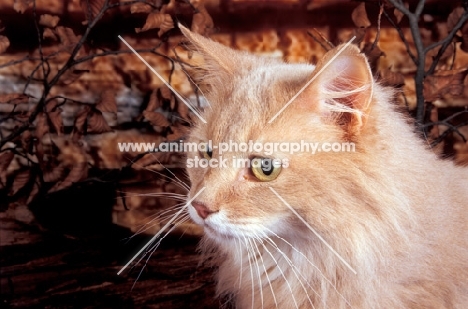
(250, 100)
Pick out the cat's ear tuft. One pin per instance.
(217, 57)
(344, 84)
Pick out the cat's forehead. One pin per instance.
(253, 98)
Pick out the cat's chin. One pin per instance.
(217, 235)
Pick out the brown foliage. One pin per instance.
(443, 83)
(4, 43)
(157, 20)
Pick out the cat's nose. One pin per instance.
(201, 209)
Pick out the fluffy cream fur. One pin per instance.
(395, 212)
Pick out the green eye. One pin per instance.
(206, 152)
(265, 169)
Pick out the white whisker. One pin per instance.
(266, 274)
(313, 231)
(282, 274)
(288, 260)
(240, 256)
(310, 262)
(251, 271)
(161, 231)
(260, 285)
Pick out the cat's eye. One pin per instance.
(206, 151)
(265, 169)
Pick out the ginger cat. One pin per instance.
(390, 218)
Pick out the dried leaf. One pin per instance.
(393, 79)
(71, 76)
(5, 159)
(21, 6)
(107, 102)
(34, 192)
(166, 93)
(21, 180)
(178, 132)
(54, 174)
(97, 123)
(49, 34)
(454, 17)
(80, 121)
(78, 172)
(66, 35)
(202, 22)
(148, 159)
(452, 20)
(52, 104)
(13, 98)
(154, 101)
(359, 16)
(41, 126)
(443, 83)
(48, 20)
(183, 111)
(156, 119)
(140, 7)
(360, 34)
(26, 141)
(4, 43)
(398, 14)
(91, 8)
(373, 53)
(172, 104)
(55, 118)
(157, 20)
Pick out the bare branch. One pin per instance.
(318, 41)
(451, 128)
(419, 8)
(445, 43)
(379, 19)
(402, 37)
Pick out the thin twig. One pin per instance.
(379, 19)
(451, 128)
(445, 43)
(402, 37)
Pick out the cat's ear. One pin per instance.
(344, 84)
(219, 60)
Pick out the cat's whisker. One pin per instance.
(282, 274)
(149, 225)
(313, 231)
(177, 181)
(171, 195)
(176, 224)
(288, 260)
(266, 274)
(177, 178)
(161, 231)
(162, 216)
(251, 270)
(260, 285)
(310, 262)
(151, 250)
(296, 274)
(238, 241)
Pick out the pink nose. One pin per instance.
(201, 209)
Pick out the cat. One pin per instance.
(385, 226)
